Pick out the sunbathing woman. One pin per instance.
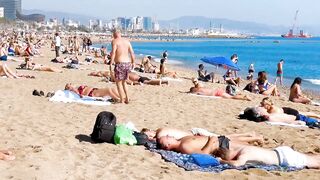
(163, 70)
(6, 155)
(148, 67)
(296, 94)
(5, 71)
(178, 134)
(136, 79)
(93, 92)
(201, 90)
(264, 87)
(302, 116)
(105, 74)
(29, 65)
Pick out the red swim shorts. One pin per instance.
(121, 70)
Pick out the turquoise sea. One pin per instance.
(302, 56)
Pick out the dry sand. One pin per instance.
(51, 140)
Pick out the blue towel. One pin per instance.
(187, 162)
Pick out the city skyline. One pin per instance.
(271, 12)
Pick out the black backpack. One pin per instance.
(104, 128)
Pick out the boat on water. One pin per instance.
(291, 34)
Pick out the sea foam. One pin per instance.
(314, 81)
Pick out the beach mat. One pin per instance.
(186, 162)
(71, 97)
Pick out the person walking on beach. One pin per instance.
(121, 48)
(280, 72)
(57, 44)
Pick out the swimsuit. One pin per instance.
(223, 142)
(121, 70)
(218, 92)
(279, 73)
(142, 79)
(81, 88)
(289, 158)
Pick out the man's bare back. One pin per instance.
(121, 49)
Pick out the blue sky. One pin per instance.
(272, 12)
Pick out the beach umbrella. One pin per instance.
(222, 62)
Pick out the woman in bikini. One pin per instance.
(307, 117)
(296, 94)
(201, 90)
(163, 70)
(136, 79)
(148, 67)
(93, 92)
(264, 87)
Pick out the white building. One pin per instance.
(1, 12)
(156, 27)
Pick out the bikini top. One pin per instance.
(81, 88)
(223, 142)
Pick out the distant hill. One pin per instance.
(60, 15)
(186, 22)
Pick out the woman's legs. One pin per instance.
(156, 82)
(8, 72)
(271, 91)
(301, 100)
(238, 97)
(246, 137)
(113, 93)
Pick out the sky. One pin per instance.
(271, 12)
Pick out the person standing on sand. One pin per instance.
(280, 72)
(57, 44)
(234, 58)
(121, 48)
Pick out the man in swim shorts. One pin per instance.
(121, 48)
(280, 72)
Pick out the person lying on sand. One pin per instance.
(5, 71)
(105, 74)
(6, 155)
(302, 116)
(137, 79)
(93, 92)
(199, 89)
(38, 67)
(237, 154)
(260, 114)
(178, 134)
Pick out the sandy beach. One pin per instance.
(51, 140)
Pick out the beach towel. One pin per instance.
(286, 124)
(203, 96)
(71, 97)
(171, 79)
(188, 163)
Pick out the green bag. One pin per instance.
(123, 135)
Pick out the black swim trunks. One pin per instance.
(142, 79)
(223, 142)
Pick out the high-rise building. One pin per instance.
(11, 7)
(1, 12)
(147, 24)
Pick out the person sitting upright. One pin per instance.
(203, 76)
(296, 94)
(230, 79)
(264, 87)
(163, 70)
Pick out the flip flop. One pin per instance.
(41, 93)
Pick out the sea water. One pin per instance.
(301, 56)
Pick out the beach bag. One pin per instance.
(124, 135)
(104, 128)
(231, 89)
(141, 138)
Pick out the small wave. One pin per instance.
(314, 81)
(170, 61)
